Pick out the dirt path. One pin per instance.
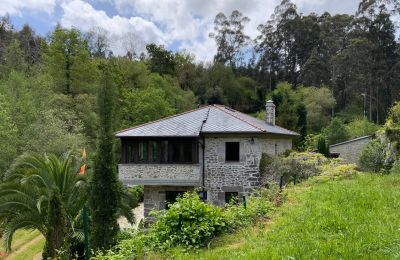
(24, 247)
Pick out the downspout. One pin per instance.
(203, 148)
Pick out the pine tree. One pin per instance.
(104, 185)
(56, 233)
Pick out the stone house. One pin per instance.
(213, 148)
(350, 151)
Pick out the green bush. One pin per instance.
(137, 192)
(259, 204)
(189, 222)
(361, 127)
(323, 148)
(335, 171)
(395, 168)
(297, 166)
(372, 156)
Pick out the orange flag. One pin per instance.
(83, 167)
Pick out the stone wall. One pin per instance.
(242, 176)
(350, 151)
(159, 174)
(220, 176)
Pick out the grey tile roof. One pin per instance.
(208, 119)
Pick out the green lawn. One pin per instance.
(348, 219)
(26, 245)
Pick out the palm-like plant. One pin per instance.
(28, 187)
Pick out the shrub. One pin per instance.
(361, 127)
(298, 165)
(372, 156)
(189, 222)
(137, 192)
(311, 142)
(395, 168)
(323, 148)
(335, 171)
(259, 204)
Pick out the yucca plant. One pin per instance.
(28, 191)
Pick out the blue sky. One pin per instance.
(130, 24)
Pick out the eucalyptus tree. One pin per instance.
(230, 38)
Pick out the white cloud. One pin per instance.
(83, 16)
(15, 7)
(180, 24)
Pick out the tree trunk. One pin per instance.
(56, 230)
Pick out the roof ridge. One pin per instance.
(238, 117)
(161, 119)
(277, 126)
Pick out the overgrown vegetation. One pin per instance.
(351, 217)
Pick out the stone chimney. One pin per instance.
(270, 112)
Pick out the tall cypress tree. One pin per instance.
(104, 195)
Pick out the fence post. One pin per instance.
(281, 182)
(244, 201)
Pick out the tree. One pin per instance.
(319, 103)
(160, 60)
(315, 71)
(8, 136)
(230, 38)
(288, 111)
(57, 225)
(323, 148)
(104, 192)
(98, 42)
(142, 106)
(336, 131)
(67, 60)
(361, 127)
(37, 192)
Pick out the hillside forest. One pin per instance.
(334, 76)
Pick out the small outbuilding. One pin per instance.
(350, 151)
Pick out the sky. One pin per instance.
(176, 24)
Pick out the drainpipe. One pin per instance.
(203, 146)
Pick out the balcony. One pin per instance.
(160, 174)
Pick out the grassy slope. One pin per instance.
(346, 219)
(26, 245)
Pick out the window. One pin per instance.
(171, 196)
(130, 153)
(142, 151)
(153, 148)
(164, 151)
(173, 150)
(181, 152)
(232, 151)
(231, 197)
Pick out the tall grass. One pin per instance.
(346, 219)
